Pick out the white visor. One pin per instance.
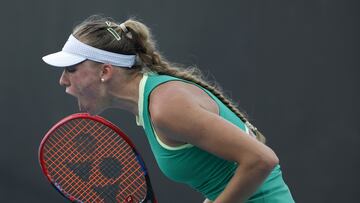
(75, 52)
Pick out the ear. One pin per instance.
(107, 71)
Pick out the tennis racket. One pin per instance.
(88, 159)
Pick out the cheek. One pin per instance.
(85, 84)
(90, 90)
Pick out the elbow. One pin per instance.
(268, 159)
(267, 163)
(272, 162)
(264, 163)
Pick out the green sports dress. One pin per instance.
(195, 167)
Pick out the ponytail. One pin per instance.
(136, 39)
(151, 59)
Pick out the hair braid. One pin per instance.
(194, 75)
(151, 59)
(138, 40)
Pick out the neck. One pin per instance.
(125, 94)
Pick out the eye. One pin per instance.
(70, 69)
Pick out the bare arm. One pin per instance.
(183, 119)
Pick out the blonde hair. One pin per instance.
(139, 41)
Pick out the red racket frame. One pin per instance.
(150, 194)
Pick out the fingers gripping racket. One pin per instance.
(88, 159)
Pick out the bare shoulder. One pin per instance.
(175, 93)
(174, 101)
(169, 91)
(177, 113)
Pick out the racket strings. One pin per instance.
(111, 145)
(107, 169)
(54, 142)
(62, 150)
(108, 149)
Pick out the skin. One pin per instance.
(119, 88)
(181, 113)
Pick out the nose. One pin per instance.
(64, 80)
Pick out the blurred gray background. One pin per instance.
(293, 66)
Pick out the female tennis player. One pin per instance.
(197, 135)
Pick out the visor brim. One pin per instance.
(63, 59)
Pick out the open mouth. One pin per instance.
(82, 107)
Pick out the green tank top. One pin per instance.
(193, 166)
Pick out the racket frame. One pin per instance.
(150, 192)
